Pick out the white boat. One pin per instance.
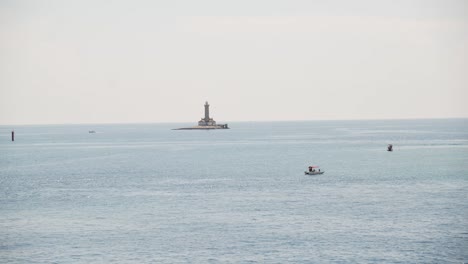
(313, 170)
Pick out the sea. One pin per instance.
(144, 193)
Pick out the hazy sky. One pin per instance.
(159, 61)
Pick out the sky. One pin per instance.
(93, 61)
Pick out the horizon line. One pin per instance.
(242, 121)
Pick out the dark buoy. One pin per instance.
(390, 147)
(12, 135)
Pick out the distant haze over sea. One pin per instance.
(65, 62)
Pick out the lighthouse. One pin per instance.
(206, 122)
(207, 111)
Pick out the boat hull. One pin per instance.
(313, 172)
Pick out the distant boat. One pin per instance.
(313, 171)
(91, 131)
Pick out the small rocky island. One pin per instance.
(206, 123)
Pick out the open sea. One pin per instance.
(143, 193)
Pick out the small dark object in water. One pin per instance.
(390, 147)
(12, 135)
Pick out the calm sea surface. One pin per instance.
(141, 193)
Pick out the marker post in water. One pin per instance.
(12, 135)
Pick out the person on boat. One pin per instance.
(310, 168)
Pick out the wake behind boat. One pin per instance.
(313, 170)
